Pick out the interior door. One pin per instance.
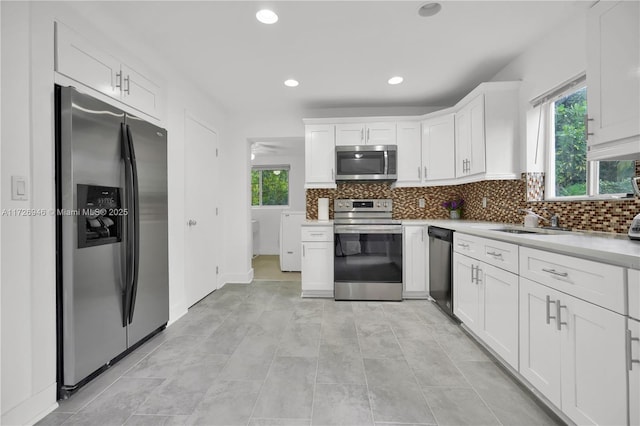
(201, 210)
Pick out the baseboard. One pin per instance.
(176, 317)
(245, 278)
(318, 293)
(34, 409)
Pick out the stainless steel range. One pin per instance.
(368, 250)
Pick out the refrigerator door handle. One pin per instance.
(136, 225)
(128, 176)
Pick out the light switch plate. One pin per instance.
(421, 203)
(19, 188)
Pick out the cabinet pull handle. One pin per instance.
(478, 280)
(119, 80)
(128, 89)
(317, 234)
(559, 321)
(422, 235)
(586, 126)
(368, 135)
(472, 268)
(554, 272)
(425, 172)
(463, 245)
(630, 359)
(361, 135)
(549, 316)
(289, 252)
(303, 252)
(419, 176)
(494, 254)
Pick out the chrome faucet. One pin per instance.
(554, 220)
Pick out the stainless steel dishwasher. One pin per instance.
(441, 267)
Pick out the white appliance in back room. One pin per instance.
(290, 228)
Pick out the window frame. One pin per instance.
(269, 167)
(592, 179)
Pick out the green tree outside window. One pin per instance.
(270, 187)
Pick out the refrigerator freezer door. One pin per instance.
(92, 281)
(150, 308)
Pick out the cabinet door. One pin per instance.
(319, 155)
(350, 134)
(539, 340)
(140, 92)
(409, 153)
(380, 133)
(466, 292)
(317, 269)
(470, 146)
(613, 60)
(500, 311)
(594, 374)
(633, 369)
(415, 258)
(438, 148)
(79, 60)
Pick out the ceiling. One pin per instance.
(342, 52)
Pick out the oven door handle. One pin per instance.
(367, 229)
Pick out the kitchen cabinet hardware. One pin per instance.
(361, 135)
(472, 269)
(559, 322)
(586, 125)
(554, 272)
(478, 270)
(494, 254)
(425, 172)
(419, 177)
(463, 245)
(317, 234)
(119, 80)
(548, 304)
(629, 341)
(368, 135)
(128, 89)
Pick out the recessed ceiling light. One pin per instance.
(291, 83)
(429, 9)
(267, 16)
(396, 80)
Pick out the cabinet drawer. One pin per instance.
(317, 233)
(594, 282)
(468, 245)
(634, 293)
(496, 253)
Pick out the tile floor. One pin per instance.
(258, 354)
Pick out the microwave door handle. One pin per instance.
(386, 162)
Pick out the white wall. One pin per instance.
(269, 217)
(552, 60)
(28, 351)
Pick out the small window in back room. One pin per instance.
(270, 186)
(569, 173)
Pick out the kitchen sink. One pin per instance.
(516, 231)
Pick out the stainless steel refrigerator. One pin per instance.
(112, 255)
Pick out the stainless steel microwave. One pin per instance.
(366, 163)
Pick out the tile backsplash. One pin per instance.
(503, 199)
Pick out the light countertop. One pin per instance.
(308, 222)
(616, 249)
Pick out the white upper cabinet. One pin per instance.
(470, 141)
(383, 133)
(138, 91)
(320, 156)
(438, 148)
(79, 60)
(613, 80)
(409, 154)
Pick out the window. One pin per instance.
(569, 173)
(270, 186)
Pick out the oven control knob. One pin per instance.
(339, 204)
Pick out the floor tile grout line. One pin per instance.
(364, 370)
(468, 381)
(404, 356)
(315, 379)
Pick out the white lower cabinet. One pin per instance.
(466, 293)
(573, 352)
(415, 270)
(317, 261)
(633, 370)
(499, 306)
